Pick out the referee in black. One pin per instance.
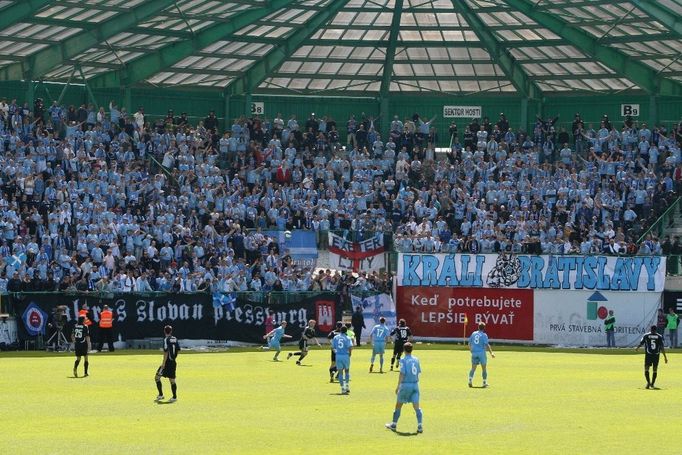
(653, 347)
(171, 349)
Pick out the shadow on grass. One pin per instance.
(165, 402)
(406, 433)
(76, 377)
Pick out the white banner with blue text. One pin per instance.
(518, 271)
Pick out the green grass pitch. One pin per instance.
(240, 402)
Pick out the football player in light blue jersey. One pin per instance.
(378, 337)
(274, 338)
(478, 343)
(408, 388)
(343, 346)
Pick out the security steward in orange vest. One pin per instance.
(106, 321)
(85, 312)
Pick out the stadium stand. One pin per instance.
(99, 199)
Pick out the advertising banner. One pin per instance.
(193, 316)
(440, 313)
(603, 273)
(374, 307)
(577, 318)
(367, 255)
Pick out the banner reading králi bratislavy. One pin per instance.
(637, 273)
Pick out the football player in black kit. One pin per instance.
(401, 336)
(171, 349)
(330, 337)
(81, 340)
(653, 347)
(307, 335)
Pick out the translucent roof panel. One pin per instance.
(350, 46)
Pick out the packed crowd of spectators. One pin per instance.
(103, 200)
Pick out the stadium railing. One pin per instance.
(664, 221)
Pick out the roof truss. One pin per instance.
(46, 59)
(167, 56)
(634, 70)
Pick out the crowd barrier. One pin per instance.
(528, 316)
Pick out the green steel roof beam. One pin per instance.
(639, 73)
(433, 43)
(44, 60)
(377, 78)
(390, 49)
(158, 60)
(85, 25)
(662, 14)
(514, 71)
(550, 4)
(269, 63)
(20, 11)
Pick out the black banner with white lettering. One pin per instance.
(193, 316)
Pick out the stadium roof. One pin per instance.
(325, 47)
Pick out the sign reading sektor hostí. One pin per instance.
(462, 111)
(637, 273)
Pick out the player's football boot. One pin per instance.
(172, 400)
(159, 398)
(371, 367)
(420, 429)
(391, 426)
